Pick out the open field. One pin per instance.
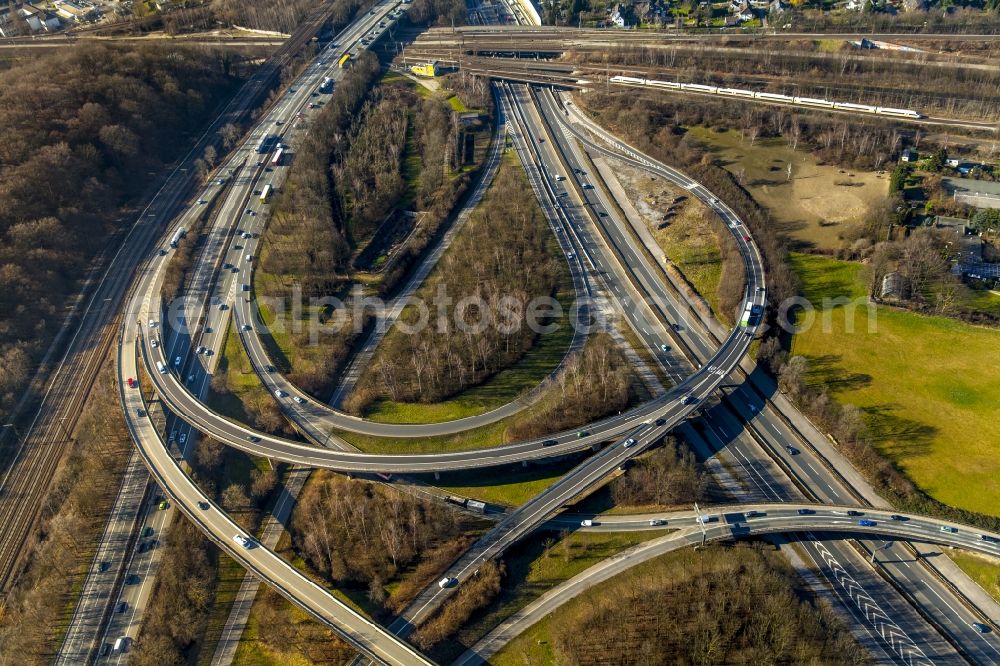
(927, 385)
(816, 206)
(688, 241)
(980, 568)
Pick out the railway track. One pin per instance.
(61, 390)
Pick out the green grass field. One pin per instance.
(985, 571)
(928, 385)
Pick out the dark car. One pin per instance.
(550, 442)
(203, 505)
(792, 451)
(253, 438)
(806, 512)
(660, 422)
(864, 522)
(854, 513)
(898, 517)
(131, 579)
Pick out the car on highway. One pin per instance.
(253, 439)
(162, 505)
(183, 439)
(987, 538)
(122, 606)
(154, 343)
(447, 582)
(131, 382)
(805, 512)
(664, 348)
(656, 521)
(852, 512)
(980, 627)
(550, 442)
(246, 327)
(948, 529)
(752, 514)
(689, 400)
(200, 350)
(278, 393)
(203, 505)
(792, 451)
(190, 378)
(131, 579)
(582, 433)
(898, 517)
(629, 442)
(105, 649)
(298, 399)
(660, 421)
(152, 323)
(746, 238)
(866, 522)
(173, 436)
(243, 541)
(246, 287)
(587, 522)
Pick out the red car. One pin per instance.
(132, 383)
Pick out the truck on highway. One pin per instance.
(344, 61)
(265, 193)
(176, 238)
(162, 368)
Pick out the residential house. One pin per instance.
(908, 155)
(622, 16)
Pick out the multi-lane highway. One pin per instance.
(630, 433)
(734, 522)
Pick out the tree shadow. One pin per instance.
(824, 372)
(908, 437)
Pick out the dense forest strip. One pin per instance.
(505, 257)
(82, 124)
(736, 605)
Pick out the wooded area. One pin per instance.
(591, 385)
(83, 128)
(668, 475)
(741, 605)
(503, 258)
(366, 536)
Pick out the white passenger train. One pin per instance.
(767, 97)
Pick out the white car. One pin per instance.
(278, 393)
(629, 442)
(243, 541)
(298, 399)
(183, 438)
(446, 582)
(154, 343)
(152, 323)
